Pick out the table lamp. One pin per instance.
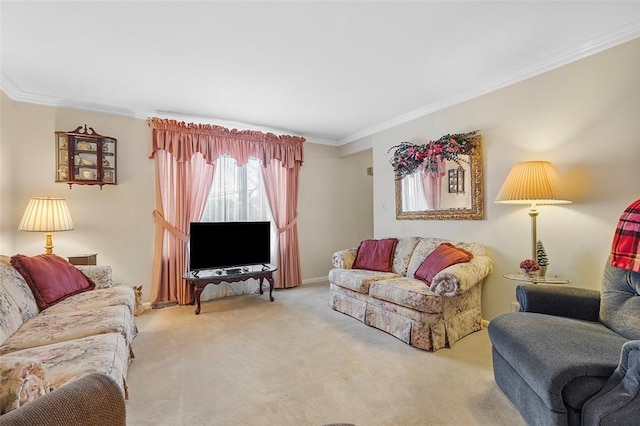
(534, 183)
(46, 215)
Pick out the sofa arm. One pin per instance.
(458, 278)
(94, 399)
(618, 402)
(23, 380)
(563, 301)
(344, 259)
(101, 275)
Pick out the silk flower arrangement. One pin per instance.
(408, 156)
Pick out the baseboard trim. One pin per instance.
(315, 280)
(485, 323)
(162, 305)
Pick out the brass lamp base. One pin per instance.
(48, 244)
(534, 237)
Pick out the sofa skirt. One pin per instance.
(427, 331)
(462, 314)
(348, 302)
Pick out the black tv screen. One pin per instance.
(216, 245)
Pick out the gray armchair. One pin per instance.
(571, 356)
(618, 402)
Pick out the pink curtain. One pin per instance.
(213, 141)
(182, 188)
(432, 184)
(281, 185)
(184, 157)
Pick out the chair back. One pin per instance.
(620, 301)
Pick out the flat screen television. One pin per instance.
(216, 245)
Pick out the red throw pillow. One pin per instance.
(445, 255)
(376, 255)
(51, 278)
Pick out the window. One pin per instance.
(238, 194)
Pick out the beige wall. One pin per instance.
(114, 222)
(582, 117)
(335, 208)
(585, 119)
(6, 180)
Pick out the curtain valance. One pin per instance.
(183, 140)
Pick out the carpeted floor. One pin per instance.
(247, 361)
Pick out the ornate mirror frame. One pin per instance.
(475, 188)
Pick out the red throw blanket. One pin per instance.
(625, 250)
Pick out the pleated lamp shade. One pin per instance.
(532, 182)
(46, 215)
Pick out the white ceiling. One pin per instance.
(331, 71)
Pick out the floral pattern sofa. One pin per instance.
(86, 333)
(426, 316)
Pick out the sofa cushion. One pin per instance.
(101, 275)
(445, 255)
(344, 258)
(19, 291)
(67, 361)
(10, 317)
(357, 280)
(88, 300)
(23, 380)
(423, 249)
(376, 255)
(407, 292)
(403, 252)
(51, 278)
(55, 328)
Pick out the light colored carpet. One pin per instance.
(247, 361)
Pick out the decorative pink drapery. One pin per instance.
(432, 184)
(184, 156)
(181, 193)
(183, 140)
(281, 185)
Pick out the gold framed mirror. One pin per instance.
(440, 187)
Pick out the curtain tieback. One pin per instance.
(169, 227)
(288, 225)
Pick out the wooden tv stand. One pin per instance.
(198, 280)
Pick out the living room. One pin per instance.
(581, 116)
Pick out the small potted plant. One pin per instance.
(542, 258)
(529, 267)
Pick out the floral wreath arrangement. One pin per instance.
(408, 156)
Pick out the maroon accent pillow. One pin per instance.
(51, 278)
(376, 255)
(445, 255)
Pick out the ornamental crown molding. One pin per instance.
(596, 45)
(588, 48)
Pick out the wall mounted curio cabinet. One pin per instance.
(84, 157)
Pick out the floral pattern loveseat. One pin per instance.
(44, 349)
(428, 316)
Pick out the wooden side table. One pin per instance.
(199, 280)
(547, 279)
(84, 259)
